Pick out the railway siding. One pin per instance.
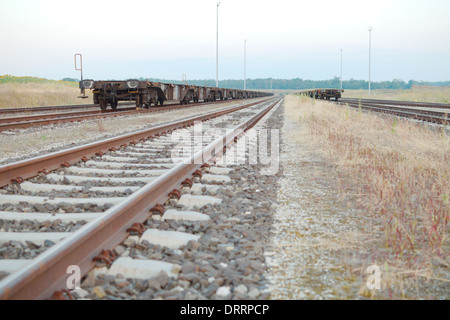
(30, 142)
(84, 204)
(225, 261)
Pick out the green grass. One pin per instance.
(12, 79)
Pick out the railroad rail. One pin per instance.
(36, 117)
(399, 103)
(21, 122)
(387, 107)
(47, 108)
(45, 276)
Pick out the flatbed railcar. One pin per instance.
(147, 93)
(326, 94)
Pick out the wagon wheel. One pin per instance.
(114, 104)
(161, 101)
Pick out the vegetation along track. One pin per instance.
(95, 204)
(11, 123)
(414, 110)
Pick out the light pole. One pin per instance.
(370, 49)
(217, 47)
(245, 64)
(341, 69)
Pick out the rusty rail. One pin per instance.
(48, 108)
(47, 273)
(32, 167)
(399, 103)
(40, 120)
(59, 115)
(423, 115)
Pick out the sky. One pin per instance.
(168, 39)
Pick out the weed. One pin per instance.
(402, 182)
(394, 123)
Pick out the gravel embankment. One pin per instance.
(313, 229)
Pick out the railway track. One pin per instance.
(47, 108)
(399, 103)
(12, 123)
(393, 107)
(97, 195)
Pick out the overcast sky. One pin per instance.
(166, 39)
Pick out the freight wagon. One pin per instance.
(327, 94)
(147, 93)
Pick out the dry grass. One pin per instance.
(416, 93)
(400, 172)
(20, 95)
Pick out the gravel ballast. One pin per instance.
(227, 262)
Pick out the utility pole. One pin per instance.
(370, 54)
(245, 64)
(217, 47)
(341, 69)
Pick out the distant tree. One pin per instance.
(70, 79)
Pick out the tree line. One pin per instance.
(299, 84)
